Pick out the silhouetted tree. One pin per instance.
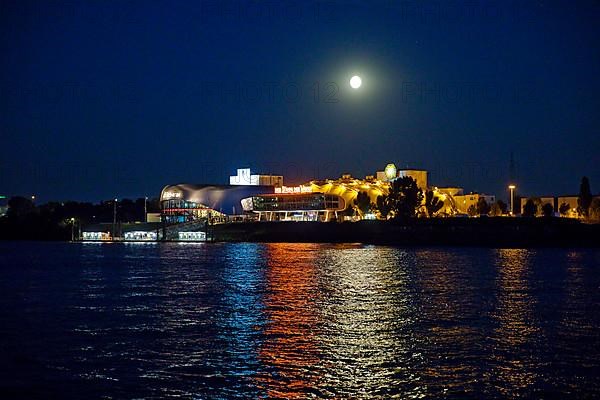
(433, 203)
(585, 197)
(563, 209)
(547, 210)
(19, 206)
(498, 208)
(483, 208)
(348, 212)
(595, 209)
(503, 206)
(472, 210)
(363, 203)
(383, 206)
(529, 209)
(404, 197)
(52, 220)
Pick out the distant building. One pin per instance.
(419, 175)
(136, 231)
(153, 217)
(465, 201)
(539, 203)
(447, 194)
(245, 177)
(570, 202)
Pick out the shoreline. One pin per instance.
(492, 232)
(480, 232)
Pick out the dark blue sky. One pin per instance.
(102, 99)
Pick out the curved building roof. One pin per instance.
(222, 198)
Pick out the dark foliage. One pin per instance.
(432, 203)
(404, 198)
(54, 220)
(585, 197)
(529, 209)
(483, 208)
(363, 203)
(547, 210)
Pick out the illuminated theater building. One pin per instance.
(265, 198)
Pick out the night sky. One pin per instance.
(101, 99)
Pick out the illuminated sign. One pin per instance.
(247, 204)
(171, 195)
(390, 171)
(293, 189)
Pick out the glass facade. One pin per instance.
(178, 211)
(95, 236)
(140, 235)
(297, 202)
(192, 236)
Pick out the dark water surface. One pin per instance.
(297, 321)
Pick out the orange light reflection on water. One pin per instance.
(290, 344)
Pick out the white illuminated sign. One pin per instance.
(171, 195)
(293, 189)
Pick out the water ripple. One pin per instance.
(249, 320)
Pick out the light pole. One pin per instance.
(145, 209)
(512, 188)
(72, 229)
(114, 218)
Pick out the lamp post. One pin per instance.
(72, 229)
(145, 209)
(512, 188)
(114, 218)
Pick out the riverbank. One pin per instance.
(492, 232)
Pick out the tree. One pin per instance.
(529, 209)
(404, 197)
(383, 206)
(19, 206)
(363, 203)
(402, 200)
(483, 208)
(563, 209)
(595, 209)
(503, 206)
(433, 203)
(498, 208)
(547, 210)
(472, 210)
(585, 197)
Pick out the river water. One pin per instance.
(248, 320)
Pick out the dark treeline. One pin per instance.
(54, 220)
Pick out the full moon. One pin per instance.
(355, 82)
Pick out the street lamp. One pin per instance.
(512, 188)
(114, 218)
(72, 229)
(145, 209)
